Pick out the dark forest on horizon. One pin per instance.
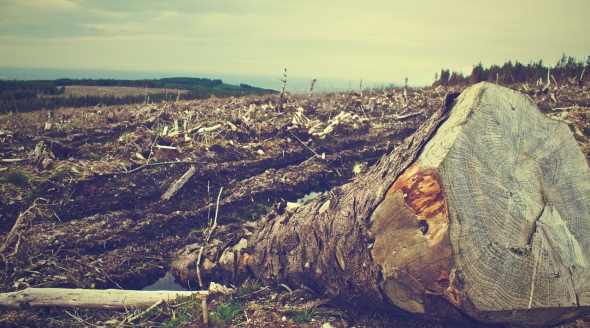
(29, 95)
(25, 96)
(568, 69)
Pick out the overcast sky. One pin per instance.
(380, 41)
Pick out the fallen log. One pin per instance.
(107, 299)
(483, 212)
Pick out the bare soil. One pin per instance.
(92, 181)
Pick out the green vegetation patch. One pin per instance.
(17, 178)
(248, 288)
(189, 311)
(226, 312)
(305, 316)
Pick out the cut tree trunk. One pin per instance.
(484, 211)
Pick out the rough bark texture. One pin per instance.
(488, 210)
(324, 245)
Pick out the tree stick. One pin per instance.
(282, 95)
(211, 229)
(311, 87)
(179, 183)
(140, 314)
(215, 219)
(23, 220)
(205, 314)
(13, 160)
(106, 299)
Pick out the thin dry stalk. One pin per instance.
(152, 148)
(142, 313)
(77, 318)
(208, 204)
(406, 90)
(205, 314)
(554, 81)
(214, 220)
(209, 234)
(282, 99)
(306, 146)
(199, 267)
(546, 88)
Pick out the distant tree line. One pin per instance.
(36, 103)
(185, 83)
(188, 83)
(110, 83)
(20, 90)
(566, 70)
(25, 96)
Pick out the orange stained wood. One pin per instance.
(423, 193)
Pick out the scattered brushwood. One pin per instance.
(95, 161)
(110, 181)
(282, 95)
(568, 103)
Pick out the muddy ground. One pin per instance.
(89, 185)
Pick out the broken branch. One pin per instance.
(107, 299)
(179, 183)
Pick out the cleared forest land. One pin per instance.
(96, 188)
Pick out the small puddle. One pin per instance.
(168, 282)
(165, 283)
(309, 196)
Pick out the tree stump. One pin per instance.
(485, 210)
(494, 214)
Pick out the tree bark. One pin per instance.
(483, 211)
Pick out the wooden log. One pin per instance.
(484, 212)
(107, 299)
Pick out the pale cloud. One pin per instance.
(45, 5)
(113, 27)
(385, 40)
(109, 14)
